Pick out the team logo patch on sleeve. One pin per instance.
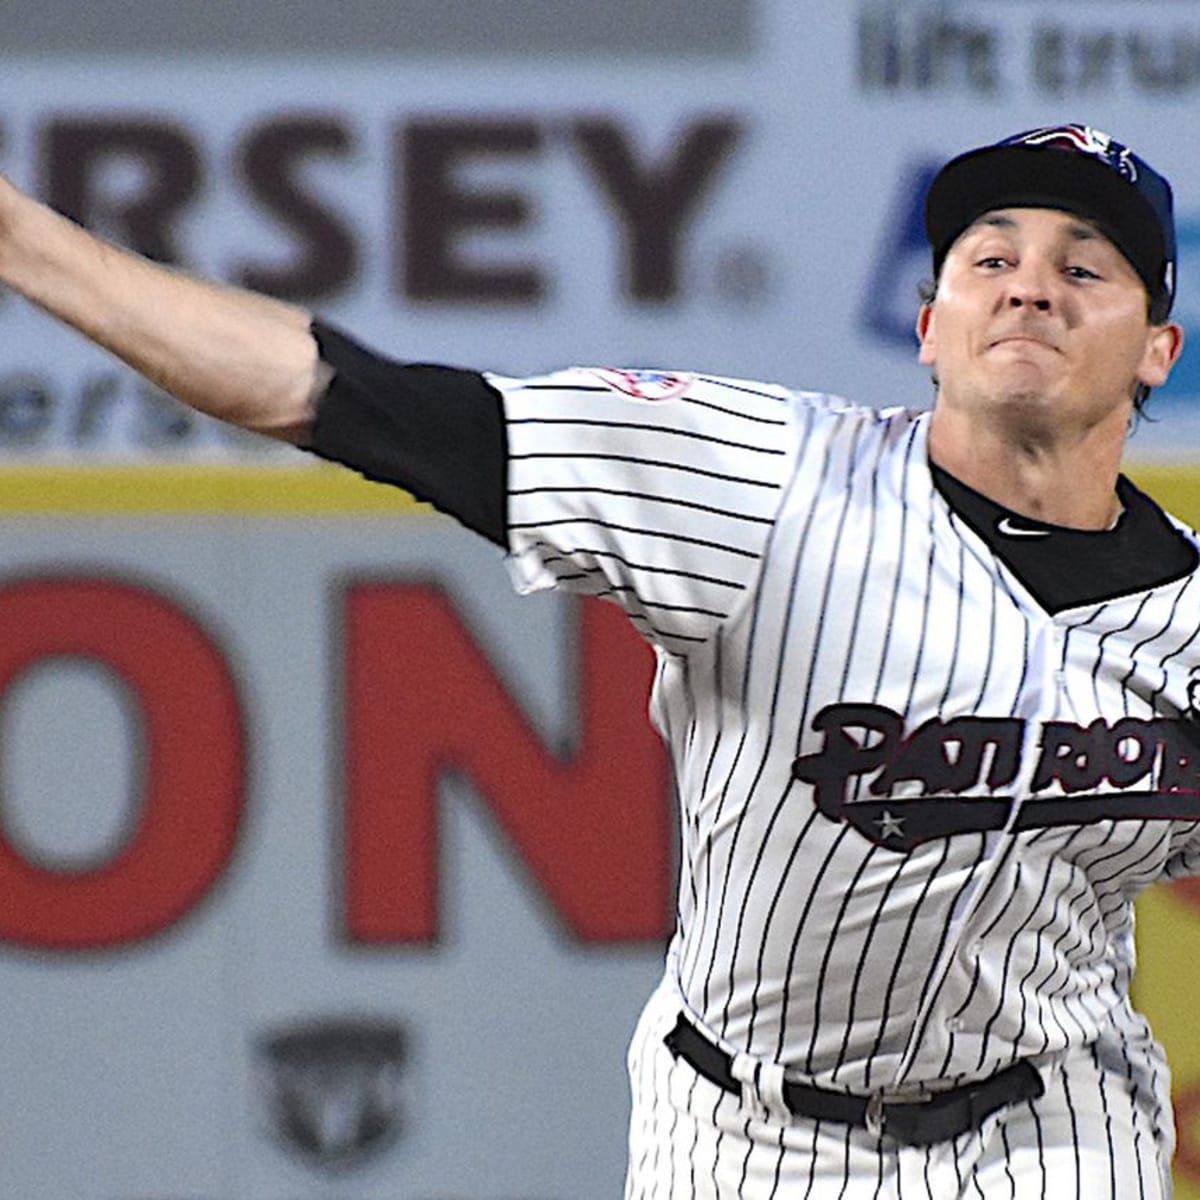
(645, 385)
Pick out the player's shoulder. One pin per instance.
(1141, 502)
(657, 394)
(637, 386)
(1177, 525)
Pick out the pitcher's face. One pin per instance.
(1038, 312)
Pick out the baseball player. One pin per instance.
(927, 677)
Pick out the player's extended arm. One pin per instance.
(232, 354)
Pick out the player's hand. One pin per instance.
(16, 209)
(9, 196)
(11, 199)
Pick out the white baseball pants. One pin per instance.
(1093, 1135)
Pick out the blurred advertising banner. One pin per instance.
(330, 867)
(748, 206)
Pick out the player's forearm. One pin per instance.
(232, 354)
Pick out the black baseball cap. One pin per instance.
(1074, 168)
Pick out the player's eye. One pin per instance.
(992, 262)
(1075, 271)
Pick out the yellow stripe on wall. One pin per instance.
(314, 489)
(1176, 487)
(308, 490)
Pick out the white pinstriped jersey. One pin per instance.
(916, 807)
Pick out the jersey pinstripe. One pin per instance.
(915, 806)
(662, 505)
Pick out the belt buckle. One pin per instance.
(875, 1116)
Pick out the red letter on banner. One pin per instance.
(592, 828)
(192, 776)
(1187, 890)
(1187, 1121)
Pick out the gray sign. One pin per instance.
(651, 28)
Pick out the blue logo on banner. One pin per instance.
(889, 311)
(893, 290)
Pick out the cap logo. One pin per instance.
(1128, 199)
(1085, 140)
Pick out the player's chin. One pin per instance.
(1008, 395)
(1027, 398)
(1013, 391)
(1026, 410)
(1026, 388)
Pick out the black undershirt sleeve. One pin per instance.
(437, 432)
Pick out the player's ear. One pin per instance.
(1163, 347)
(925, 334)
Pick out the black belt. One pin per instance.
(921, 1120)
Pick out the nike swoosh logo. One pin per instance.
(1005, 526)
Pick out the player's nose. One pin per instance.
(1030, 285)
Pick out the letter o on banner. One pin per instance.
(192, 763)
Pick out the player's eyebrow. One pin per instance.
(1079, 230)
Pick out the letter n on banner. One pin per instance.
(591, 828)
